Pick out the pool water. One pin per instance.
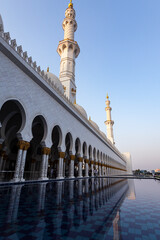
(102, 208)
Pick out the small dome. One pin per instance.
(103, 134)
(94, 124)
(81, 110)
(55, 80)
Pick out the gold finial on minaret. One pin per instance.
(70, 4)
(89, 118)
(48, 69)
(75, 101)
(107, 96)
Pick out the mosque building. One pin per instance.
(44, 133)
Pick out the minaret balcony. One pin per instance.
(64, 88)
(69, 22)
(108, 108)
(69, 45)
(109, 122)
(73, 91)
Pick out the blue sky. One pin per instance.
(120, 54)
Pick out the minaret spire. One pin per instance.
(1, 25)
(70, 4)
(109, 123)
(68, 50)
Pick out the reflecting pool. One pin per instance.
(102, 208)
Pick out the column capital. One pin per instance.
(80, 159)
(92, 162)
(61, 154)
(2, 153)
(86, 160)
(46, 151)
(21, 144)
(0, 146)
(26, 145)
(72, 157)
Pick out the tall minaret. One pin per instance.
(1, 25)
(109, 123)
(68, 50)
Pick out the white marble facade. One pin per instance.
(39, 118)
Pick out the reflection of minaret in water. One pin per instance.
(131, 194)
(116, 225)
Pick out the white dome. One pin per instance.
(81, 110)
(94, 124)
(103, 134)
(55, 80)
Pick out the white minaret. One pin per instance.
(68, 50)
(109, 123)
(1, 25)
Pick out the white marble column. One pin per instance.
(71, 166)
(44, 163)
(21, 145)
(80, 160)
(46, 167)
(105, 170)
(102, 170)
(60, 170)
(64, 165)
(42, 170)
(99, 167)
(22, 165)
(86, 167)
(92, 170)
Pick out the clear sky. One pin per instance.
(120, 54)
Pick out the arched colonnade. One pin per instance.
(22, 159)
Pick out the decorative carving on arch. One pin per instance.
(70, 46)
(63, 46)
